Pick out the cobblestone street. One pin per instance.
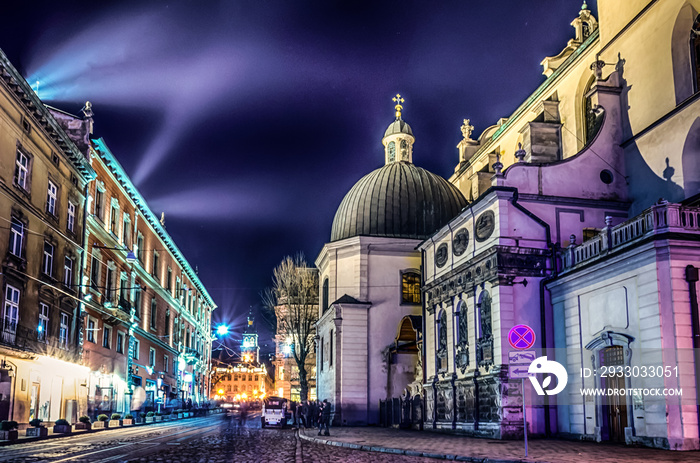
(214, 439)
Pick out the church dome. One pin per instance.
(398, 126)
(399, 200)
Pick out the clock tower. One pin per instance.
(249, 344)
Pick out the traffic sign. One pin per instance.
(521, 337)
(521, 357)
(518, 371)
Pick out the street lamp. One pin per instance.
(222, 330)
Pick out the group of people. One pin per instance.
(311, 414)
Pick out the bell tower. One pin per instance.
(398, 138)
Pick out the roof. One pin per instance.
(398, 200)
(43, 118)
(345, 299)
(398, 126)
(120, 175)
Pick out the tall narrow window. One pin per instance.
(109, 285)
(21, 170)
(113, 217)
(139, 247)
(137, 347)
(11, 313)
(43, 321)
(51, 197)
(166, 363)
(47, 263)
(485, 316)
(404, 150)
(71, 216)
(392, 151)
(324, 305)
(63, 331)
(167, 322)
(16, 237)
(126, 232)
(99, 204)
(323, 347)
(155, 266)
(410, 288)
(106, 336)
(95, 272)
(68, 272)
(137, 302)
(154, 313)
(91, 328)
(120, 342)
(152, 357)
(330, 349)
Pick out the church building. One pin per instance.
(583, 225)
(370, 280)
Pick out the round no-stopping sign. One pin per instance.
(521, 337)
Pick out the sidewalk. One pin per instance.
(460, 448)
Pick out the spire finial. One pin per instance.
(398, 100)
(584, 6)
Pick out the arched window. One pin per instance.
(404, 150)
(324, 301)
(410, 288)
(463, 328)
(441, 335)
(392, 151)
(485, 316)
(462, 337)
(588, 113)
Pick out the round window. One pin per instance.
(606, 176)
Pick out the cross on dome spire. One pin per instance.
(398, 100)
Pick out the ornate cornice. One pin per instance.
(497, 265)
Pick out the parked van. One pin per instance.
(274, 412)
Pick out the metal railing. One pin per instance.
(660, 218)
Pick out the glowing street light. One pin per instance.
(222, 330)
(221, 392)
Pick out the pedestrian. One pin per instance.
(314, 413)
(244, 414)
(305, 413)
(325, 418)
(297, 416)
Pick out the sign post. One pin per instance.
(524, 416)
(521, 337)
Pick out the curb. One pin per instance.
(83, 432)
(414, 453)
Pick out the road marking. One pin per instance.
(105, 460)
(190, 429)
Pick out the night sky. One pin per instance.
(248, 121)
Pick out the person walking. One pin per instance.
(325, 418)
(307, 414)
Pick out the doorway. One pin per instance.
(5, 394)
(615, 405)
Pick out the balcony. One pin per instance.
(191, 356)
(19, 337)
(661, 218)
(125, 305)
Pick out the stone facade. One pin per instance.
(572, 181)
(45, 171)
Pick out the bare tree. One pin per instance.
(293, 298)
